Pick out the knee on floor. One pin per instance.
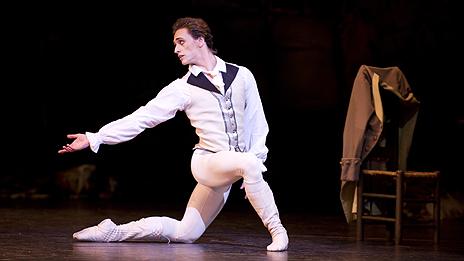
(187, 236)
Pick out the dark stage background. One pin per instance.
(74, 67)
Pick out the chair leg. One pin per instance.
(359, 211)
(399, 207)
(436, 211)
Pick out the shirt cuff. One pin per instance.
(94, 141)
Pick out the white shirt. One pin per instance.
(229, 120)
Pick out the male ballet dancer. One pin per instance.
(223, 104)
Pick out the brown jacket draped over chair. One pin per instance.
(365, 122)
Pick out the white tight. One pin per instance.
(225, 167)
(215, 174)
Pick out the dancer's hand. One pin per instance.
(80, 142)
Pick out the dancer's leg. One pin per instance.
(108, 231)
(204, 205)
(262, 199)
(221, 168)
(225, 167)
(209, 201)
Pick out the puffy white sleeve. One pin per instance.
(163, 107)
(256, 129)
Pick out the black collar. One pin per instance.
(202, 82)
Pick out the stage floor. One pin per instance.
(43, 231)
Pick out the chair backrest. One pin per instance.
(392, 149)
(385, 154)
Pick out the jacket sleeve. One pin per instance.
(360, 109)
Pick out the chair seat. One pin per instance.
(407, 174)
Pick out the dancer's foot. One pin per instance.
(98, 233)
(279, 240)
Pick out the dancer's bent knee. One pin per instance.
(253, 168)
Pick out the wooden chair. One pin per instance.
(377, 138)
(386, 183)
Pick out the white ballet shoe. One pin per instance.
(145, 229)
(279, 241)
(98, 233)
